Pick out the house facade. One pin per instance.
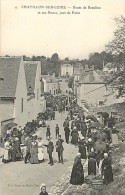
(67, 69)
(91, 90)
(51, 84)
(33, 81)
(20, 91)
(13, 92)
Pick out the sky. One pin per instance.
(25, 32)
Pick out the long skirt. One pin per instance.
(91, 166)
(108, 175)
(34, 158)
(74, 139)
(77, 176)
(7, 155)
(40, 154)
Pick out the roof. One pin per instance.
(9, 69)
(86, 79)
(30, 68)
(50, 78)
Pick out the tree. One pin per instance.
(55, 57)
(117, 45)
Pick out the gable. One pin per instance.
(9, 70)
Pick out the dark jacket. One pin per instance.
(59, 146)
(50, 147)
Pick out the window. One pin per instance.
(21, 105)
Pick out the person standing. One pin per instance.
(66, 123)
(28, 143)
(82, 148)
(57, 130)
(74, 135)
(40, 150)
(50, 148)
(77, 175)
(67, 133)
(92, 162)
(34, 151)
(107, 169)
(7, 151)
(48, 133)
(59, 149)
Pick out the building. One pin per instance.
(78, 69)
(20, 91)
(51, 84)
(110, 68)
(91, 89)
(33, 82)
(67, 69)
(13, 92)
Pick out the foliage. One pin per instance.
(117, 45)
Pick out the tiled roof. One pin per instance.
(96, 78)
(30, 73)
(9, 69)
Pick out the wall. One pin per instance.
(21, 92)
(6, 113)
(91, 93)
(66, 68)
(37, 91)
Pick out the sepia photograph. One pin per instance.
(62, 97)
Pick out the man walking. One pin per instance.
(67, 133)
(59, 149)
(50, 148)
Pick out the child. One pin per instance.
(57, 131)
(43, 189)
(48, 132)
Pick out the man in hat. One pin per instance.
(59, 149)
(50, 148)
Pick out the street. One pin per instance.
(19, 178)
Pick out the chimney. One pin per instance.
(91, 76)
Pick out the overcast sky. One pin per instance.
(24, 31)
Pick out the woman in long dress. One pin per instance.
(107, 169)
(40, 150)
(74, 135)
(77, 175)
(34, 151)
(7, 153)
(92, 162)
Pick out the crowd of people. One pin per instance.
(92, 139)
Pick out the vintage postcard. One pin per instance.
(62, 97)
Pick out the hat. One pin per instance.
(79, 154)
(74, 128)
(42, 185)
(105, 155)
(48, 138)
(89, 140)
(82, 137)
